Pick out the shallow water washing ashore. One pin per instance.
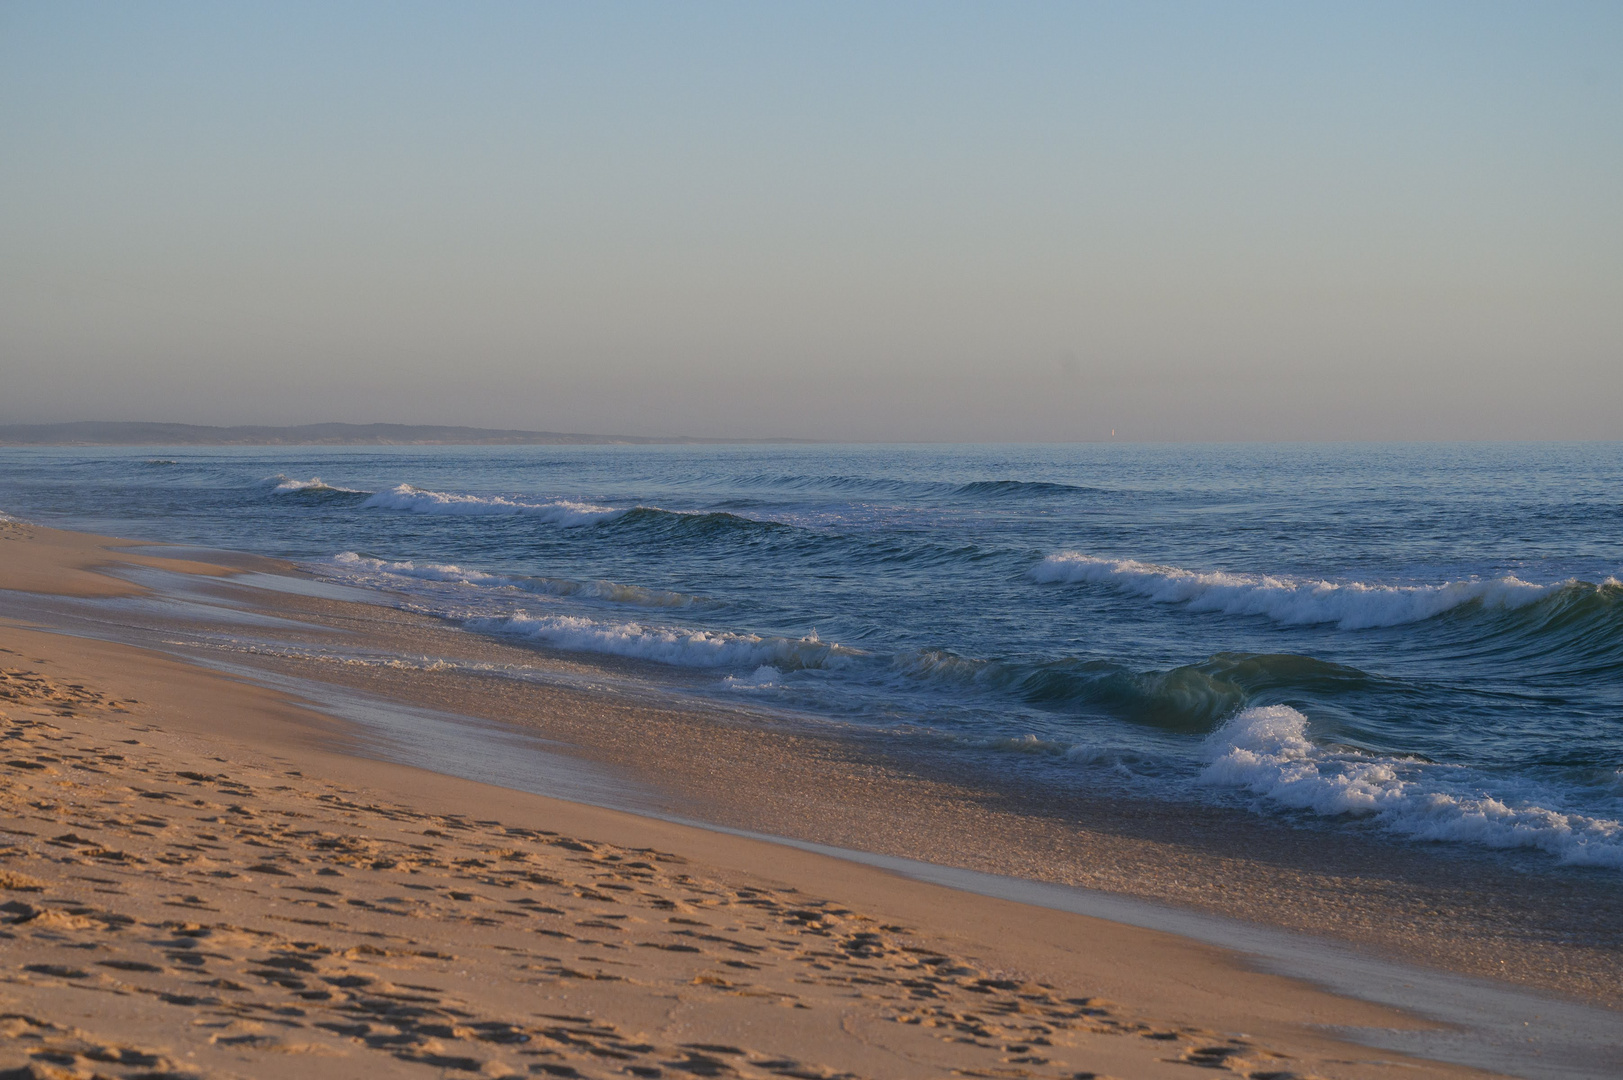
(1422, 643)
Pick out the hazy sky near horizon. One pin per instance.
(830, 220)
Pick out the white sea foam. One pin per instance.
(1267, 751)
(420, 571)
(358, 659)
(765, 677)
(677, 646)
(1350, 605)
(418, 501)
(286, 485)
(368, 570)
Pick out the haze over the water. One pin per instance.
(846, 221)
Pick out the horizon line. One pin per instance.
(343, 433)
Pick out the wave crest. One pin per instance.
(1267, 752)
(1192, 698)
(1350, 605)
(281, 484)
(1004, 489)
(421, 501)
(676, 646)
(697, 524)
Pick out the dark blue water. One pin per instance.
(1420, 641)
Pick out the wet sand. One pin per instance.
(203, 877)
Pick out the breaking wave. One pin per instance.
(1350, 605)
(1193, 698)
(676, 646)
(567, 513)
(1266, 751)
(287, 485)
(420, 501)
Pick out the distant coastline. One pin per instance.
(126, 433)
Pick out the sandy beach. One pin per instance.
(205, 876)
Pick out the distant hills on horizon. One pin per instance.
(135, 433)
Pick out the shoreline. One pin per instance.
(836, 779)
(1442, 906)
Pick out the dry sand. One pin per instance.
(196, 882)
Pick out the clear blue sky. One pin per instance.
(854, 221)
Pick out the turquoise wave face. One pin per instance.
(1442, 625)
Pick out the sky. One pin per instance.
(850, 221)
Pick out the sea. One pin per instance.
(1421, 643)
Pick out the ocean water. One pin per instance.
(1422, 643)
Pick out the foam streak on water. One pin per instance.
(677, 646)
(386, 574)
(418, 501)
